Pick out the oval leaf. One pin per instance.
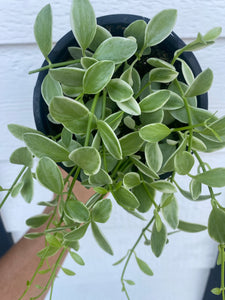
(37, 221)
(41, 146)
(49, 175)
(153, 156)
(131, 143)
(154, 132)
(214, 177)
(83, 22)
(190, 227)
(98, 76)
(163, 186)
(22, 156)
(163, 75)
(100, 239)
(101, 211)
(144, 267)
(69, 76)
(119, 90)
(116, 49)
(131, 179)
(87, 158)
(125, 198)
(130, 106)
(154, 101)
(77, 211)
(158, 239)
(43, 30)
(170, 211)
(50, 88)
(183, 162)
(77, 233)
(160, 26)
(109, 139)
(77, 258)
(216, 226)
(201, 84)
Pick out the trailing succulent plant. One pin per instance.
(129, 122)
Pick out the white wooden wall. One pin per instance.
(182, 270)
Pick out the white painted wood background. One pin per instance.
(182, 270)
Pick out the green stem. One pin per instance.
(90, 120)
(222, 270)
(188, 113)
(132, 251)
(52, 277)
(104, 103)
(142, 89)
(14, 183)
(51, 292)
(49, 66)
(72, 183)
(187, 127)
(32, 279)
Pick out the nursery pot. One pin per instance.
(116, 25)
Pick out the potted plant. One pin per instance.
(123, 115)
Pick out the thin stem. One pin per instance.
(132, 251)
(90, 120)
(188, 114)
(104, 103)
(51, 292)
(187, 127)
(50, 66)
(14, 183)
(222, 270)
(142, 89)
(52, 275)
(33, 277)
(72, 183)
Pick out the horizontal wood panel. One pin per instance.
(17, 17)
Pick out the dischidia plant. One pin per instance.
(122, 132)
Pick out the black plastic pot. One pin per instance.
(116, 25)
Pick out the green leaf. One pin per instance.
(154, 132)
(77, 211)
(216, 226)
(159, 27)
(114, 119)
(119, 261)
(130, 282)
(170, 211)
(72, 114)
(101, 178)
(137, 30)
(201, 84)
(131, 143)
(214, 177)
(22, 156)
(119, 90)
(174, 102)
(33, 235)
(77, 258)
(101, 34)
(87, 62)
(131, 179)
(68, 272)
(49, 175)
(212, 34)
(183, 162)
(69, 76)
(47, 252)
(198, 144)
(159, 63)
(19, 130)
(164, 75)
(101, 211)
(43, 30)
(125, 198)
(215, 131)
(158, 239)
(187, 72)
(132, 77)
(83, 22)
(116, 49)
(195, 189)
(143, 266)
(37, 221)
(163, 186)
(216, 291)
(144, 169)
(52, 240)
(17, 189)
(72, 244)
(154, 101)
(109, 139)
(77, 233)
(28, 188)
(98, 76)
(145, 194)
(100, 239)
(130, 107)
(87, 158)
(190, 227)
(153, 156)
(50, 88)
(42, 146)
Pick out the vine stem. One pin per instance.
(49, 66)
(52, 275)
(14, 183)
(188, 113)
(222, 270)
(131, 252)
